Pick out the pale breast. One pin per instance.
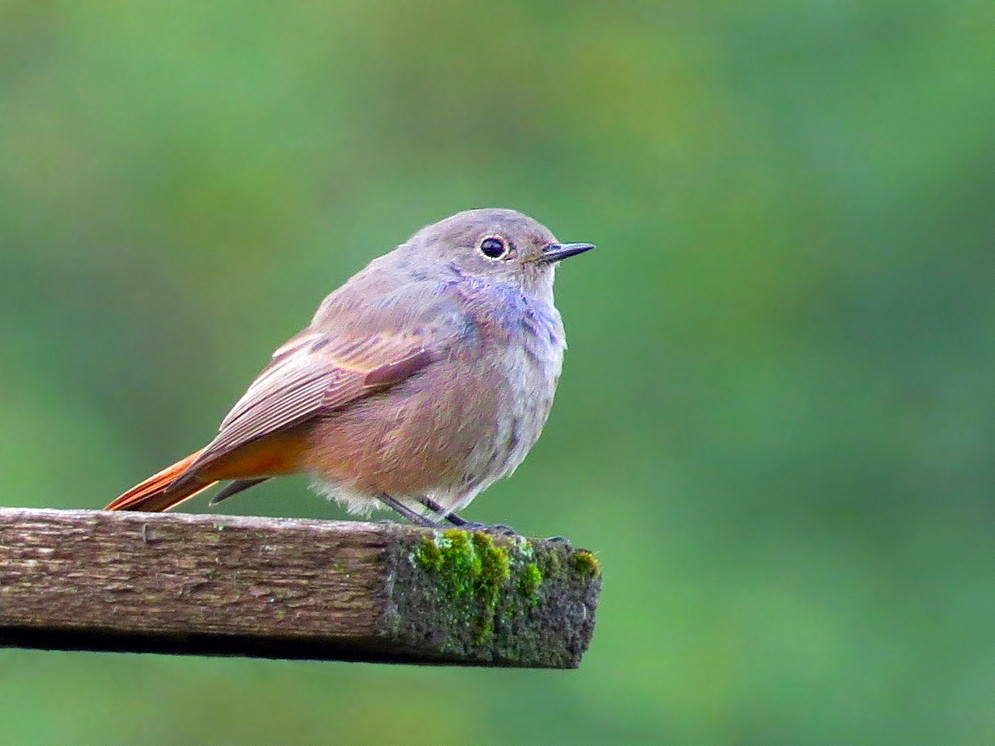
(531, 369)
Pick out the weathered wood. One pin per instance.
(280, 588)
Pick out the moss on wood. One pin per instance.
(493, 595)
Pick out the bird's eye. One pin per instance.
(494, 247)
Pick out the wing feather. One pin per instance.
(315, 373)
(377, 330)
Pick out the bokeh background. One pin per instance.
(775, 421)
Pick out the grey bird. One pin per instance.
(418, 383)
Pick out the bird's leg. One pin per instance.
(453, 518)
(463, 523)
(404, 510)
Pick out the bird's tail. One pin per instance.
(164, 490)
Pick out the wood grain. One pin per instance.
(281, 588)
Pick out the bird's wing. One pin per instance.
(318, 372)
(377, 330)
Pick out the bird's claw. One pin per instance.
(558, 540)
(498, 528)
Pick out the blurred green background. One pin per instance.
(775, 420)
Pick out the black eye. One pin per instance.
(494, 247)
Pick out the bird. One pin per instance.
(421, 381)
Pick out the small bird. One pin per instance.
(421, 381)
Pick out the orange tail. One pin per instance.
(162, 491)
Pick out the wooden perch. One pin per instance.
(278, 588)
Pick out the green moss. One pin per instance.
(428, 556)
(586, 563)
(495, 569)
(530, 581)
(461, 562)
(476, 594)
(473, 574)
(551, 565)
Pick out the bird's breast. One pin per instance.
(518, 364)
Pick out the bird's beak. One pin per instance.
(554, 252)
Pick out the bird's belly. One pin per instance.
(448, 432)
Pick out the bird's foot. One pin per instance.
(559, 540)
(498, 528)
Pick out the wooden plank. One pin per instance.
(281, 588)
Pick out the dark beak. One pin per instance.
(554, 252)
